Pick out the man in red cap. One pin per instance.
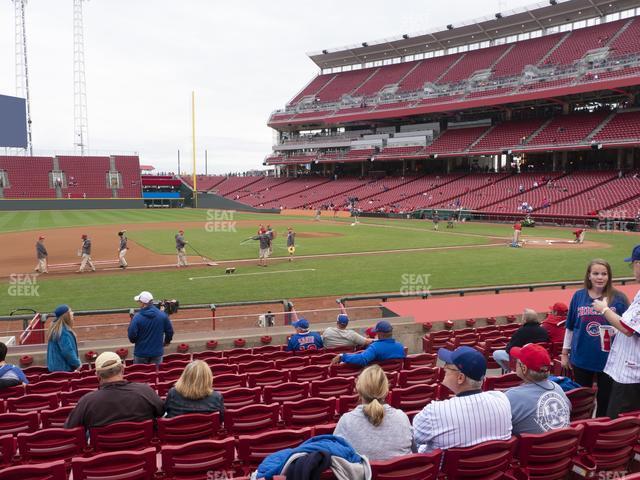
(41, 253)
(538, 405)
(579, 234)
(555, 322)
(181, 243)
(86, 254)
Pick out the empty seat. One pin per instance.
(252, 419)
(285, 392)
(241, 397)
(139, 465)
(51, 444)
(44, 471)
(197, 459)
(583, 402)
(253, 449)
(332, 387)
(14, 423)
(188, 428)
(308, 412)
(408, 467)
(487, 461)
(55, 418)
(121, 436)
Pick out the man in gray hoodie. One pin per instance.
(42, 254)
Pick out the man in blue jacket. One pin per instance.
(150, 330)
(384, 348)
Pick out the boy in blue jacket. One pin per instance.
(385, 348)
(150, 330)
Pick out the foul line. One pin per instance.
(254, 273)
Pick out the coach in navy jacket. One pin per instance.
(385, 348)
(150, 329)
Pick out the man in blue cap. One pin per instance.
(469, 418)
(341, 336)
(384, 348)
(303, 339)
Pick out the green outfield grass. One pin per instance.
(320, 276)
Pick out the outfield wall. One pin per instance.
(217, 202)
(70, 204)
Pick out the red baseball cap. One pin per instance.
(84, 235)
(559, 307)
(41, 237)
(533, 356)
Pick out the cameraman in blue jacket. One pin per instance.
(150, 330)
(384, 348)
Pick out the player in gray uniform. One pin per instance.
(122, 250)
(181, 243)
(291, 243)
(265, 243)
(86, 254)
(41, 253)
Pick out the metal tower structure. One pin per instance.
(80, 122)
(22, 65)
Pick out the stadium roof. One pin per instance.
(536, 17)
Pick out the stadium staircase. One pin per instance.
(544, 59)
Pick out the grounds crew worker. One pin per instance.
(122, 251)
(86, 254)
(181, 243)
(41, 252)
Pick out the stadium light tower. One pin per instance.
(22, 65)
(80, 122)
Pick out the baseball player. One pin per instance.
(517, 230)
(272, 235)
(181, 243)
(41, 252)
(450, 221)
(122, 250)
(86, 254)
(579, 234)
(265, 243)
(436, 220)
(291, 243)
(318, 213)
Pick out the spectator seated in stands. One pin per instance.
(10, 375)
(539, 405)
(116, 400)
(340, 336)
(529, 332)
(375, 429)
(193, 392)
(555, 322)
(469, 418)
(384, 348)
(303, 339)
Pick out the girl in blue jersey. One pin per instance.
(581, 350)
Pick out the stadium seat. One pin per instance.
(47, 386)
(308, 412)
(14, 423)
(51, 444)
(222, 368)
(84, 382)
(408, 467)
(501, 382)
(251, 419)
(32, 403)
(486, 461)
(255, 366)
(266, 349)
(583, 403)
(140, 465)
(173, 364)
(169, 375)
(72, 397)
(55, 418)
(344, 370)
(44, 471)
(393, 365)
(431, 342)
(285, 392)
(413, 399)
(253, 449)
(346, 403)
(121, 436)
(332, 387)
(292, 362)
(206, 355)
(267, 377)
(171, 357)
(308, 374)
(188, 428)
(141, 377)
(241, 397)
(7, 449)
(419, 376)
(57, 376)
(228, 381)
(12, 392)
(141, 368)
(196, 459)
(420, 360)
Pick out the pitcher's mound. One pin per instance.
(558, 243)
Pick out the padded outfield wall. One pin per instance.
(70, 204)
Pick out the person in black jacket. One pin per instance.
(530, 332)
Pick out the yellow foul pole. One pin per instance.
(193, 139)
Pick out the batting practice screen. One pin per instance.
(13, 122)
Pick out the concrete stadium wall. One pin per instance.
(210, 200)
(70, 204)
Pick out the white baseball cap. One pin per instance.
(107, 360)
(144, 297)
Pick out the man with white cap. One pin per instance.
(341, 336)
(150, 330)
(42, 254)
(116, 399)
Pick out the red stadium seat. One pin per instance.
(32, 403)
(57, 376)
(84, 382)
(162, 388)
(51, 444)
(256, 366)
(292, 362)
(228, 381)
(223, 368)
(344, 370)
(412, 400)
(487, 461)
(501, 382)
(273, 356)
(346, 403)
(420, 360)
(14, 423)
(321, 359)
(71, 398)
(252, 419)
(241, 397)
(408, 467)
(308, 412)
(583, 403)
(195, 460)
(207, 355)
(419, 376)
(188, 428)
(285, 392)
(393, 365)
(121, 436)
(141, 368)
(44, 471)
(308, 374)
(172, 357)
(7, 450)
(49, 386)
(259, 351)
(55, 418)
(253, 449)
(332, 387)
(12, 392)
(267, 377)
(170, 375)
(431, 342)
(140, 465)
(238, 359)
(141, 377)
(172, 365)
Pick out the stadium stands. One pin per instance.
(28, 177)
(86, 177)
(527, 52)
(472, 62)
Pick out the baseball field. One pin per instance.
(332, 257)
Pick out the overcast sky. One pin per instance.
(243, 59)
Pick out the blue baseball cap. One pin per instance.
(635, 255)
(468, 360)
(383, 327)
(343, 319)
(302, 324)
(61, 310)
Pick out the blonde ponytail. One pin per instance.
(373, 388)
